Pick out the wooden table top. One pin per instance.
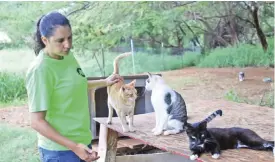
(259, 119)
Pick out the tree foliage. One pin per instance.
(173, 24)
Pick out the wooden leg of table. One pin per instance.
(107, 146)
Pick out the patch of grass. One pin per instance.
(231, 95)
(15, 60)
(18, 144)
(15, 102)
(143, 63)
(179, 83)
(12, 87)
(268, 99)
(191, 59)
(15, 63)
(239, 56)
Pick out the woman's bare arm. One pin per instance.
(114, 78)
(97, 83)
(39, 123)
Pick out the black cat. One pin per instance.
(213, 140)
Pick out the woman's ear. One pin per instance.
(44, 40)
(188, 127)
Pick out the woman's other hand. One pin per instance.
(85, 153)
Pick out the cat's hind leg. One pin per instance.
(267, 145)
(251, 140)
(174, 127)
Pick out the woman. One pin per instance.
(57, 94)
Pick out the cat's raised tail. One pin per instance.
(209, 118)
(212, 116)
(116, 69)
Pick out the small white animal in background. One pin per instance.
(169, 106)
(241, 76)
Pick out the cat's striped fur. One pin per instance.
(209, 118)
(177, 108)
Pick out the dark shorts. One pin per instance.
(58, 156)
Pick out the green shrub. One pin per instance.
(12, 87)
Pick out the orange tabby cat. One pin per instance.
(122, 98)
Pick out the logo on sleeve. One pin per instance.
(80, 72)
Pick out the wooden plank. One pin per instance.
(259, 119)
(92, 111)
(157, 157)
(123, 143)
(107, 146)
(130, 143)
(136, 76)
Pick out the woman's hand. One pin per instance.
(85, 153)
(114, 78)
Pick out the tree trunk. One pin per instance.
(231, 23)
(259, 30)
(215, 35)
(206, 41)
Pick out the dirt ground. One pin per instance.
(194, 84)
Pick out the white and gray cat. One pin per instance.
(169, 106)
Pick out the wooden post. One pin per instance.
(92, 110)
(107, 146)
(103, 59)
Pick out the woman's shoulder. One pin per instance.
(37, 65)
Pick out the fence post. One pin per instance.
(133, 59)
(162, 55)
(103, 59)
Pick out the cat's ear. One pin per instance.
(133, 83)
(188, 127)
(149, 74)
(203, 125)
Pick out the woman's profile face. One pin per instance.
(60, 42)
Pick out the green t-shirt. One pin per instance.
(60, 88)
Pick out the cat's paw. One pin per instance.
(166, 133)
(157, 132)
(132, 129)
(215, 156)
(125, 130)
(194, 157)
(109, 122)
(153, 130)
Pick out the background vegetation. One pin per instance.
(165, 35)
